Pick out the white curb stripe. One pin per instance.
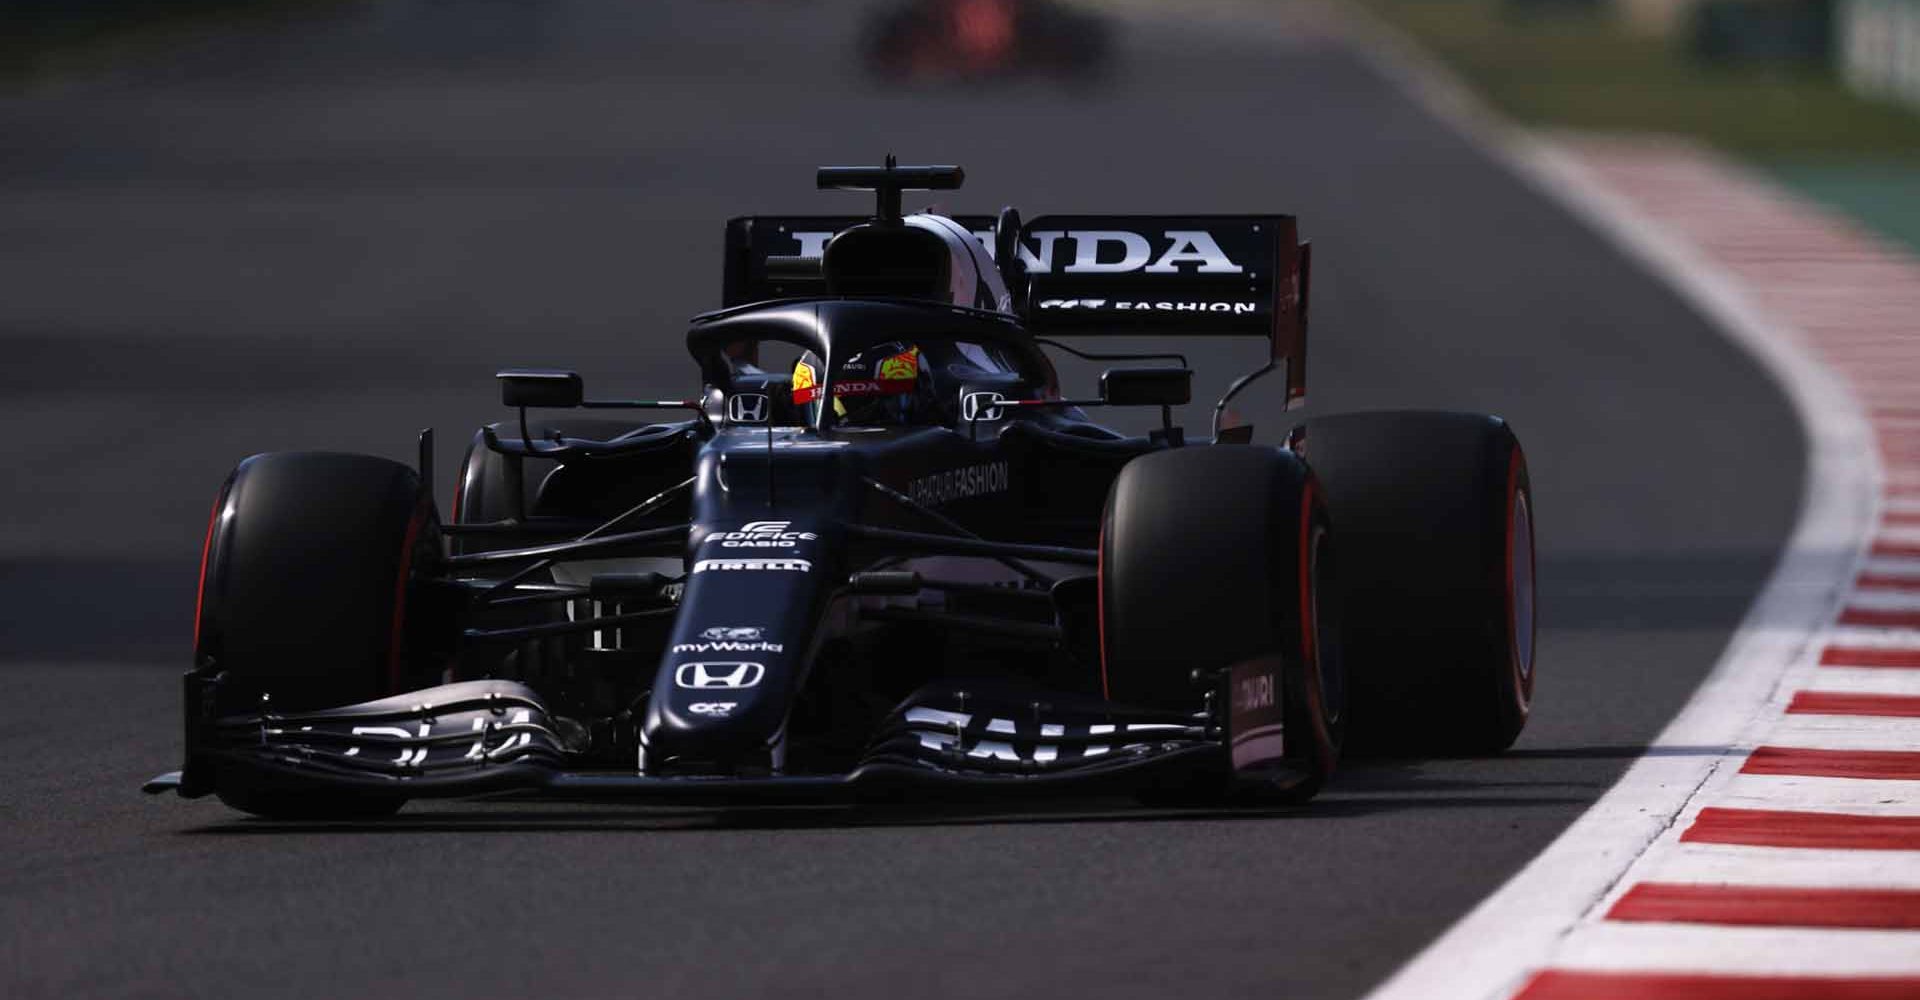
(1845, 732)
(1722, 864)
(1884, 600)
(1660, 947)
(1865, 680)
(1866, 797)
(1894, 565)
(1877, 638)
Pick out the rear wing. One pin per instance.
(1094, 275)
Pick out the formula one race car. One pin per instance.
(902, 559)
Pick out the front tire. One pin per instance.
(311, 598)
(1217, 557)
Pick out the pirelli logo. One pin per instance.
(752, 565)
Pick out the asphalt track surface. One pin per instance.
(328, 233)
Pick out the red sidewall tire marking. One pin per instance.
(206, 550)
(1307, 638)
(460, 490)
(1522, 673)
(1309, 641)
(396, 643)
(1100, 606)
(1099, 601)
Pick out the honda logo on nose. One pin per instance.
(706, 676)
(747, 408)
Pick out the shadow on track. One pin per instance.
(560, 818)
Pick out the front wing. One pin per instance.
(494, 738)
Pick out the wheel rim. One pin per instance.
(1520, 575)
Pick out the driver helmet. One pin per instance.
(877, 387)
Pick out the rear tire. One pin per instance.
(1216, 556)
(1434, 519)
(309, 599)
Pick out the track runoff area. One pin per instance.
(1767, 847)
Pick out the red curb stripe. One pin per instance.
(1870, 656)
(1896, 549)
(1560, 984)
(1882, 617)
(1887, 581)
(1876, 764)
(1773, 828)
(1769, 906)
(1903, 706)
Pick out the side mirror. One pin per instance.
(1147, 386)
(523, 388)
(982, 406)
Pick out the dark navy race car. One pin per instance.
(883, 550)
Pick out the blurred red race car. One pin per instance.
(982, 39)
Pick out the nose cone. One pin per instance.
(722, 690)
(739, 649)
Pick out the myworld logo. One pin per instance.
(730, 639)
